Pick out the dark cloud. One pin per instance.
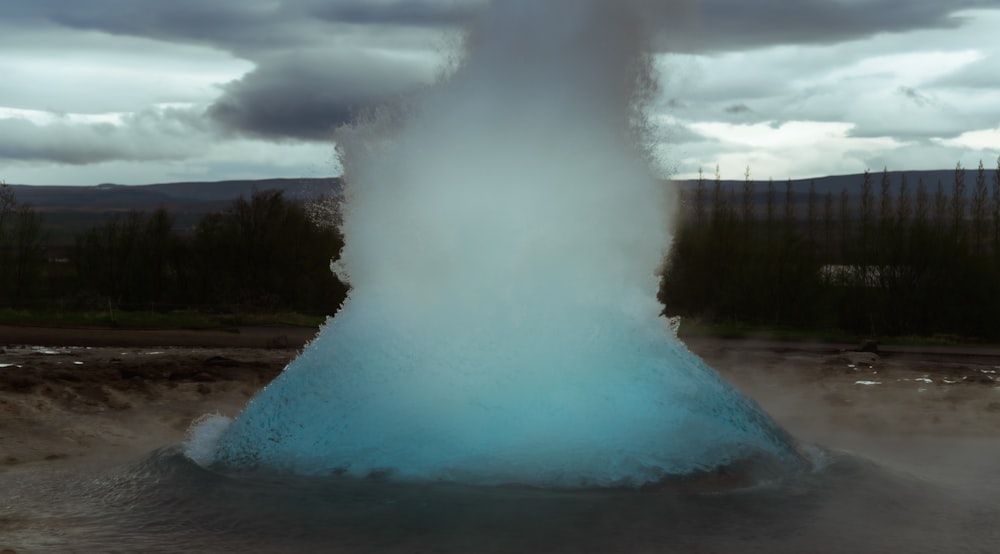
(726, 25)
(233, 26)
(244, 27)
(306, 96)
(737, 109)
(709, 25)
(404, 12)
(295, 92)
(310, 75)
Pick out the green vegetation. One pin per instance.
(913, 262)
(22, 251)
(260, 261)
(895, 262)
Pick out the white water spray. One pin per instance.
(502, 246)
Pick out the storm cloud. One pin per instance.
(730, 25)
(718, 25)
(308, 96)
(291, 71)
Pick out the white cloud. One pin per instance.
(86, 71)
(909, 68)
(983, 139)
(796, 149)
(906, 100)
(42, 118)
(215, 160)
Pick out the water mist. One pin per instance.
(502, 242)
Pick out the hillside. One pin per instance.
(186, 197)
(835, 185)
(68, 210)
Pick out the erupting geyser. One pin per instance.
(503, 238)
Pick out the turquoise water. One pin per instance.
(566, 398)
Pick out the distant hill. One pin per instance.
(835, 184)
(69, 210)
(185, 198)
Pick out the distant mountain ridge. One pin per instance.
(207, 196)
(834, 184)
(188, 197)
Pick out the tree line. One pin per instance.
(897, 258)
(262, 254)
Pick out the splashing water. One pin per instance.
(502, 245)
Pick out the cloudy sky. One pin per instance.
(144, 91)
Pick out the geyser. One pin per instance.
(503, 237)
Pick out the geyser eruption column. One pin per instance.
(502, 245)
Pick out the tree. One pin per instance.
(885, 198)
(265, 254)
(940, 206)
(22, 248)
(866, 214)
(812, 212)
(828, 228)
(844, 215)
(979, 208)
(996, 210)
(8, 203)
(903, 203)
(700, 199)
(29, 252)
(958, 203)
(770, 208)
(719, 204)
(920, 208)
(748, 198)
(789, 218)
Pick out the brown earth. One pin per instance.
(94, 396)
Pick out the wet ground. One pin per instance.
(910, 443)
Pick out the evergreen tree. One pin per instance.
(748, 199)
(979, 209)
(996, 210)
(958, 204)
(700, 198)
